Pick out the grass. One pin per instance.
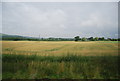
(76, 60)
(78, 67)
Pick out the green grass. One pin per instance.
(69, 66)
(108, 41)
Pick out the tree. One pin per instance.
(109, 39)
(80, 39)
(91, 39)
(101, 39)
(77, 38)
(84, 39)
(118, 39)
(96, 38)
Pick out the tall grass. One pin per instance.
(69, 66)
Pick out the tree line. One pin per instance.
(36, 39)
(77, 38)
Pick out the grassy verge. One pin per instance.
(70, 66)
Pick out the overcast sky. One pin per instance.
(68, 19)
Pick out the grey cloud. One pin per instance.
(60, 19)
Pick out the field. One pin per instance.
(43, 59)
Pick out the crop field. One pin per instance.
(60, 48)
(63, 59)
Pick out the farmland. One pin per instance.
(60, 59)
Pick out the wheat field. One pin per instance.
(45, 48)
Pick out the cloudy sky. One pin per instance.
(67, 19)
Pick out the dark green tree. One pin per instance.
(77, 38)
(84, 39)
(96, 38)
(101, 39)
(91, 39)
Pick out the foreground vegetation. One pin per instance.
(70, 66)
(79, 60)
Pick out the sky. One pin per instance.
(0, 17)
(60, 19)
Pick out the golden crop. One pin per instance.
(58, 48)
